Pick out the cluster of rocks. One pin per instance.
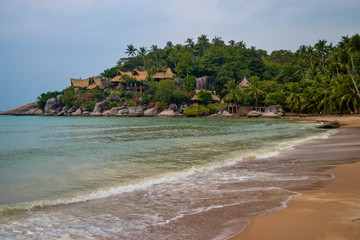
(55, 107)
(274, 111)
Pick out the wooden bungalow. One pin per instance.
(135, 86)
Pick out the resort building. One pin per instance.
(88, 83)
(133, 83)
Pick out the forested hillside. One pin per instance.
(320, 78)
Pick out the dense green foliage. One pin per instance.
(320, 78)
(196, 110)
(41, 100)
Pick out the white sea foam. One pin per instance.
(164, 178)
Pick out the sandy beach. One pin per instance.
(330, 212)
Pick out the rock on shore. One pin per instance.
(26, 109)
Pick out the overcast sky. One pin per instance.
(45, 42)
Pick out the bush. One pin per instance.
(189, 82)
(129, 94)
(204, 96)
(42, 99)
(144, 100)
(112, 104)
(162, 105)
(89, 106)
(151, 105)
(122, 100)
(217, 107)
(196, 110)
(131, 103)
(190, 112)
(203, 110)
(69, 99)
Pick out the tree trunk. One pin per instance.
(353, 80)
(353, 66)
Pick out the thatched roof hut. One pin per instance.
(84, 83)
(138, 75)
(164, 75)
(96, 82)
(214, 97)
(244, 83)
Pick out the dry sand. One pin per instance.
(329, 213)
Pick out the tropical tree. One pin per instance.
(321, 51)
(131, 50)
(234, 93)
(217, 41)
(154, 49)
(294, 97)
(203, 41)
(255, 89)
(191, 46)
(142, 52)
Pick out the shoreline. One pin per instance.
(331, 211)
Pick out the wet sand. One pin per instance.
(330, 212)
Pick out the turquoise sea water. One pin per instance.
(110, 177)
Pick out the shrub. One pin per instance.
(69, 99)
(190, 112)
(131, 103)
(196, 110)
(112, 104)
(204, 96)
(144, 100)
(203, 110)
(42, 99)
(89, 106)
(217, 107)
(122, 100)
(151, 105)
(129, 94)
(162, 105)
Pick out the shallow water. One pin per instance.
(148, 178)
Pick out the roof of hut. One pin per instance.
(96, 82)
(138, 75)
(163, 75)
(214, 97)
(79, 82)
(244, 82)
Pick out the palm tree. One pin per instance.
(154, 49)
(142, 52)
(234, 92)
(240, 44)
(352, 46)
(191, 46)
(217, 41)
(232, 43)
(294, 97)
(254, 89)
(169, 45)
(131, 50)
(321, 50)
(203, 41)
